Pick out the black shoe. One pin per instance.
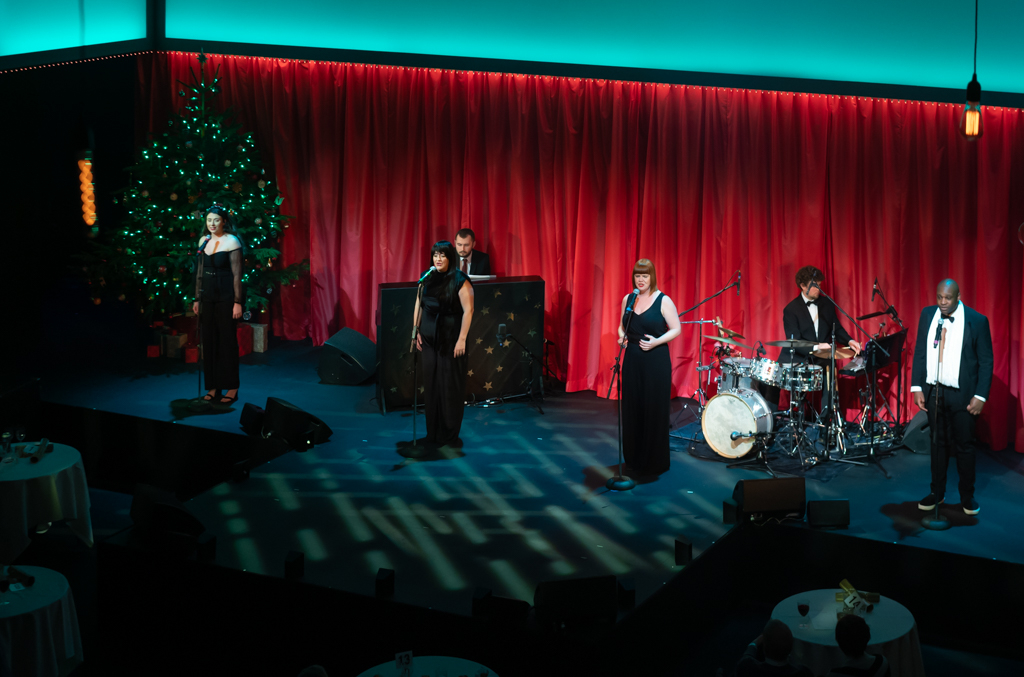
(930, 501)
(210, 397)
(970, 506)
(227, 401)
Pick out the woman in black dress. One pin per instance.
(647, 373)
(447, 311)
(219, 299)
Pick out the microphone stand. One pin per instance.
(900, 394)
(200, 353)
(935, 521)
(870, 344)
(620, 482)
(415, 449)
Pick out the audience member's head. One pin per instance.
(852, 635)
(778, 640)
(313, 671)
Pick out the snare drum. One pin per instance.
(767, 371)
(803, 378)
(743, 411)
(736, 373)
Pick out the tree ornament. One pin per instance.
(144, 193)
(97, 301)
(162, 268)
(188, 182)
(121, 297)
(237, 187)
(240, 148)
(174, 196)
(259, 220)
(262, 184)
(247, 316)
(165, 175)
(188, 144)
(227, 163)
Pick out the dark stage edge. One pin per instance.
(524, 504)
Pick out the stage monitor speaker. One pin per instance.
(300, 429)
(578, 601)
(347, 358)
(828, 513)
(252, 419)
(775, 497)
(917, 436)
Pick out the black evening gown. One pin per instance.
(444, 375)
(218, 289)
(646, 388)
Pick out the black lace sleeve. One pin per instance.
(236, 274)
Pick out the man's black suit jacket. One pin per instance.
(797, 322)
(975, 355)
(480, 264)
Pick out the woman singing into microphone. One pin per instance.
(219, 299)
(447, 311)
(647, 372)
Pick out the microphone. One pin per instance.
(501, 333)
(202, 246)
(938, 331)
(632, 300)
(430, 270)
(874, 289)
(735, 435)
(739, 278)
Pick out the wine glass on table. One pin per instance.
(803, 607)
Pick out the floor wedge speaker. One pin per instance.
(776, 497)
(347, 358)
(917, 436)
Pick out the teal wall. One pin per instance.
(905, 42)
(901, 42)
(41, 25)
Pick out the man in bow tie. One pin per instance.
(951, 378)
(812, 317)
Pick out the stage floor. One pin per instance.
(525, 501)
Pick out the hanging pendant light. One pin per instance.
(971, 127)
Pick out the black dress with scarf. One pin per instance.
(444, 375)
(218, 289)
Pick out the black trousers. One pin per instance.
(444, 395)
(220, 345)
(952, 435)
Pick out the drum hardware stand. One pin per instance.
(700, 394)
(760, 461)
(532, 358)
(870, 366)
(834, 431)
(620, 482)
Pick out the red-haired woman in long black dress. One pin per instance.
(647, 373)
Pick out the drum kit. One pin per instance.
(739, 419)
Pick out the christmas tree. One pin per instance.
(201, 160)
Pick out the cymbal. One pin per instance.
(791, 343)
(727, 340)
(842, 353)
(729, 332)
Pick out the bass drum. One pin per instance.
(739, 410)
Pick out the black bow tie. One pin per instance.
(948, 318)
(811, 301)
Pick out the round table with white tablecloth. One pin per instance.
(32, 494)
(39, 626)
(893, 633)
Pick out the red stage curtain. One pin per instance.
(574, 180)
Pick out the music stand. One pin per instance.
(878, 353)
